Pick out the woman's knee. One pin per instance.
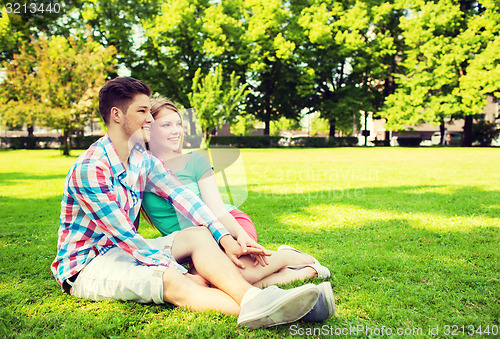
(198, 235)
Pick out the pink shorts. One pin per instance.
(244, 220)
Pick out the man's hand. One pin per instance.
(234, 250)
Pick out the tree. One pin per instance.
(451, 64)
(24, 22)
(484, 132)
(349, 49)
(174, 49)
(213, 102)
(280, 84)
(54, 82)
(117, 23)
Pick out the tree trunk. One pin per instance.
(31, 129)
(387, 139)
(267, 119)
(332, 128)
(192, 125)
(442, 129)
(206, 138)
(467, 135)
(267, 127)
(66, 146)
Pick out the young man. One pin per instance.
(101, 256)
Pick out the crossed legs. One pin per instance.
(213, 265)
(230, 282)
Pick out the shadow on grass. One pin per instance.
(386, 271)
(462, 201)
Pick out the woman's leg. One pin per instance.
(276, 272)
(286, 275)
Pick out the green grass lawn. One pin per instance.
(411, 235)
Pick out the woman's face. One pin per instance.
(166, 131)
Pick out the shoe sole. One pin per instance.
(285, 310)
(330, 300)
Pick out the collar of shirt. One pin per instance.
(114, 160)
(136, 159)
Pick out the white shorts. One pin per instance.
(117, 275)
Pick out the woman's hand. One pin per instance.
(234, 250)
(245, 242)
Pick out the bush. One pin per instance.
(484, 132)
(77, 142)
(29, 142)
(253, 141)
(409, 141)
(264, 141)
(325, 142)
(82, 142)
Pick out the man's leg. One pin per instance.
(183, 292)
(259, 308)
(210, 262)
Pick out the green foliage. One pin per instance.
(349, 48)
(280, 83)
(8, 38)
(173, 51)
(250, 141)
(25, 21)
(244, 125)
(284, 124)
(56, 85)
(451, 64)
(319, 125)
(213, 103)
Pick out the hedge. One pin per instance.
(409, 141)
(264, 141)
(251, 141)
(254, 141)
(77, 142)
(325, 142)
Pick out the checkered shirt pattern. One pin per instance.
(101, 199)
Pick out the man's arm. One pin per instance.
(164, 183)
(92, 188)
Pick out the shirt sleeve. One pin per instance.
(92, 188)
(200, 165)
(163, 182)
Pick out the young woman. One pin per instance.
(195, 171)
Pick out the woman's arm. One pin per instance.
(211, 196)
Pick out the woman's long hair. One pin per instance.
(158, 104)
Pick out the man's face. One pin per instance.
(138, 119)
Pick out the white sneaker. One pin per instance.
(275, 306)
(322, 271)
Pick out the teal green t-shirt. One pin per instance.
(162, 214)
